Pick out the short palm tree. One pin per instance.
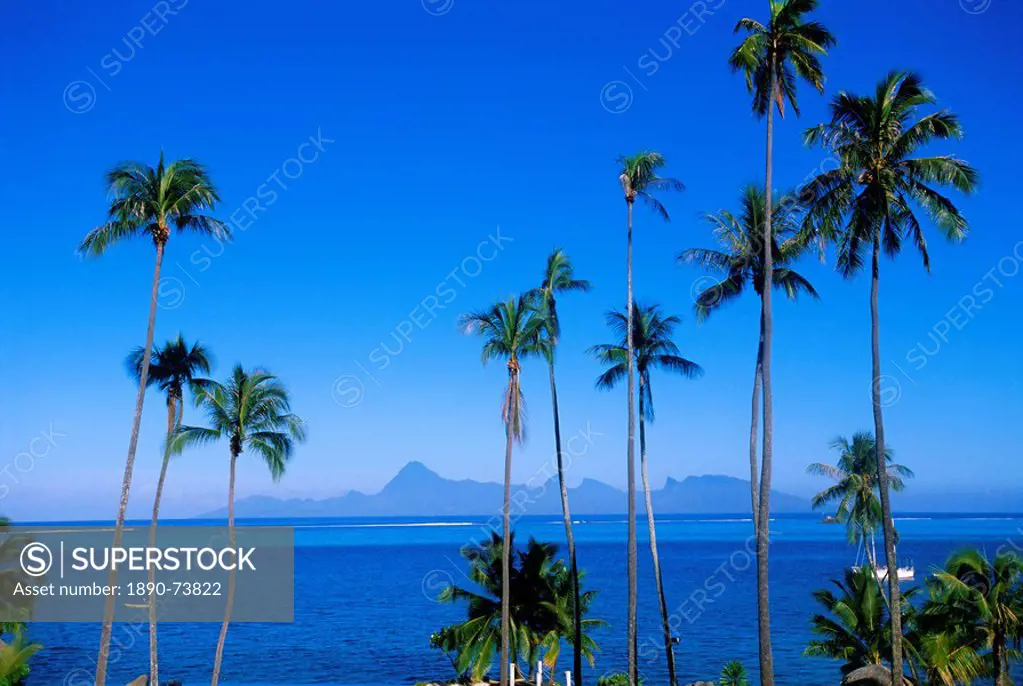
(569, 612)
(148, 202)
(15, 653)
(654, 349)
(868, 204)
(511, 330)
(991, 591)
(946, 644)
(734, 674)
(540, 607)
(855, 628)
(640, 178)
(559, 277)
(172, 368)
(252, 411)
(773, 57)
(855, 487)
(740, 262)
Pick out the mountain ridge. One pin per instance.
(416, 491)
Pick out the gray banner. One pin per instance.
(63, 574)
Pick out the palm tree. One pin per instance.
(511, 330)
(559, 277)
(992, 593)
(252, 411)
(868, 204)
(855, 478)
(172, 368)
(654, 349)
(540, 607)
(741, 264)
(855, 628)
(639, 178)
(734, 674)
(569, 611)
(148, 202)
(945, 640)
(15, 653)
(771, 57)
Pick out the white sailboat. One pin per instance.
(905, 573)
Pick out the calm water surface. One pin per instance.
(365, 589)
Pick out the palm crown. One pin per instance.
(652, 339)
(558, 277)
(511, 330)
(253, 411)
(639, 178)
(856, 482)
(879, 181)
(172, 367)
(148, 201)
(855, 629)
(786, 48)
(741, 259)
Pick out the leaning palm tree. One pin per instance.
(991, 591)
(654, 349)
(252, 411)
(148, 202)
(172, 368)
(855, 486)
(740, 261)
(639, 178)
(511, 330)
(772, 56)
(868, 204)
(559, 277)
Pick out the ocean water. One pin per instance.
(365, 604)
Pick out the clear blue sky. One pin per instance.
(449, 119)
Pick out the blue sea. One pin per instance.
(365, 604)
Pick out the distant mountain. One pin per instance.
(417, 491)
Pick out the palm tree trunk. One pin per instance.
(631, 470)
(513, 398)
(577, 621)
(129, 467)
(754, 433)
(219, 657)
(154, 676)
(888, 525)
(767, 330)
(669, 649)
(997, 660)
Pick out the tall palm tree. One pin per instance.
(741, 262)
(991, 589)
(855, 487)
(172, 368)
(868, 204)
(511, 330)
(640, 178)
(252, 411)
(559, 277)
(654, 349)
(148, 202)
(772, 56)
